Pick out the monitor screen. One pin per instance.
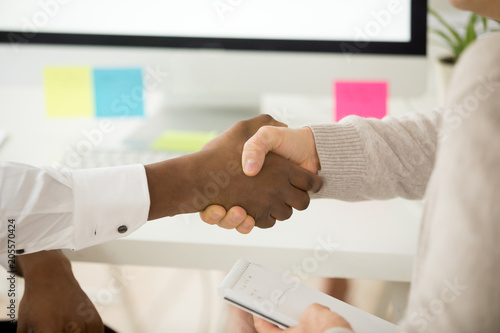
(358, 26)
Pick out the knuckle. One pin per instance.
(315, 307)
(241, 123)
(269, 223)
(310, 182)
(251, 145)
(275, 192)
(207, 216)
(242, 126)
(225, 224)
(242, 230)
(267, 118)
(268, 133)
(204, 218)
(304, 204)
(288, 213)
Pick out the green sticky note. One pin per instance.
(183, 141)
(68, 91)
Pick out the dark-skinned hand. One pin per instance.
(53, 301)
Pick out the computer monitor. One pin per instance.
(222, 50)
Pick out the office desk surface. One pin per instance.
(369, 240)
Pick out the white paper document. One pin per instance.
(281, 300)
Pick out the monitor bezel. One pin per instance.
(416, 45)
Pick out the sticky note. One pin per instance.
(68, 91)
(364, 99)
(183, 141)
(118, 92)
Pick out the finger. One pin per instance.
(246, 226)
(263, 326)
(315, 307)
(234, 217)
(297, 199)
(265, 221)
(255, 149)
(311, 312)
(316, 311)
(282, 212)
(269, 120)
(213, 214)
(305, 180)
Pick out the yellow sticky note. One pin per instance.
(183, 141)
(68, 91)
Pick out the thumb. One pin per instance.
(255, 149)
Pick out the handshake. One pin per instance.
(251, 175)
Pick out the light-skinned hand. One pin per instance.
(315, 319)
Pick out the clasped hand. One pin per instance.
(265, 139)
(214, 176)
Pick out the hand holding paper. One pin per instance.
(315, 319)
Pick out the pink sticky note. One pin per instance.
(364, 99)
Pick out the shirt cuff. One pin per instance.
(109, 203)
(341, 155)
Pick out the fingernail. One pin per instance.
(246, 225)
(216, 216)
(250, 166)
(236, 217)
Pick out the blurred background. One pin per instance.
(103, 83)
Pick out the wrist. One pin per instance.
(43, 264)
(174, 184)
(312, 153)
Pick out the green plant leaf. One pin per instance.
(447, 26)
(485, 23)
(454, 48)
(470, 30)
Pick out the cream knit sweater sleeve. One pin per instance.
(365, 159)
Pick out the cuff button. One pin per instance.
(20, 251)
(122, 229)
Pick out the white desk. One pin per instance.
(368, 240)
(376, 240)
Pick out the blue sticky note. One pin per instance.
(118, 92)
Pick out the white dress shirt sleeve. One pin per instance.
(54, 209)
